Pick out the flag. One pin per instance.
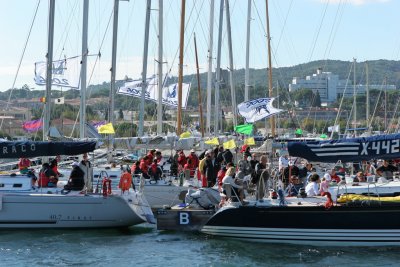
(169, 93)
(65, 72)
(257, 109)
(42, 100)
(298, 132)
(244, 129)
(106, 129)
(335, 128)
(59, 101)
(32, 126)
(98, 124)
(323, 136)
(213, 141)
(250, 141)
(229, 144)
(185, 135)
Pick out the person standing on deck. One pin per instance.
(87, 168)
(211, 168)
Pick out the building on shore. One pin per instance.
(331, 88)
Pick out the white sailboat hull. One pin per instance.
(62, 211)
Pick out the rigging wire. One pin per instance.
(21, 58)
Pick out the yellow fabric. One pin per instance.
(250, 141)
(213, 141)
(185, 135)
(201, 164)
(354, 197)
(106, 129)
(229, 144)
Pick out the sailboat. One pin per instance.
(24, 205)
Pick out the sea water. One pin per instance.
(143, 245)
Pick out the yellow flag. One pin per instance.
(250, 141)
(185, 135)
(230, 144)
(213, 141)
(106, 129)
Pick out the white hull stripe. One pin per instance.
(309, 234)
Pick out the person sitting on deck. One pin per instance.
(47, 177)
(294, 186)
(23, 165)
(155, 170)
(76, 178)
(312, 188)
(386, 170)
(231, 187)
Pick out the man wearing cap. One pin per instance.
(211, 168)
(87, 168)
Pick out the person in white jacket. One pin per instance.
(312, 188)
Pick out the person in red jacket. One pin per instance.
(125, 180)
(181, 160)
(144, 167)
(194, 162)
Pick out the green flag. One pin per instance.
(299, 131)
(244, 129)
(323, 136)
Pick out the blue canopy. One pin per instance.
(28, 149)
(348, 150)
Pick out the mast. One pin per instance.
(385, 104)
(113, 63)
(198, 87)
(144, 67)
(218, 71)
(160, 67)
(180, 78)
(82, 109)
(354, 98)
(209, 74)
(233, 91)
(46, 117)
(367, 95)
(272, 119)
(247, 71)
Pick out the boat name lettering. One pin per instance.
(56, 81)
(14, 149)
(184, 218)
(381, 147)
(256, 101)
(136, 91)
(55, 216)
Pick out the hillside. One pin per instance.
(378, 71)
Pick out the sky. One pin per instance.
(301, 31)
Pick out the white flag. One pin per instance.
(257, 109)
(334, 128)
(65, 73)
(59, 100)
(134, 88)
(169, 93)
